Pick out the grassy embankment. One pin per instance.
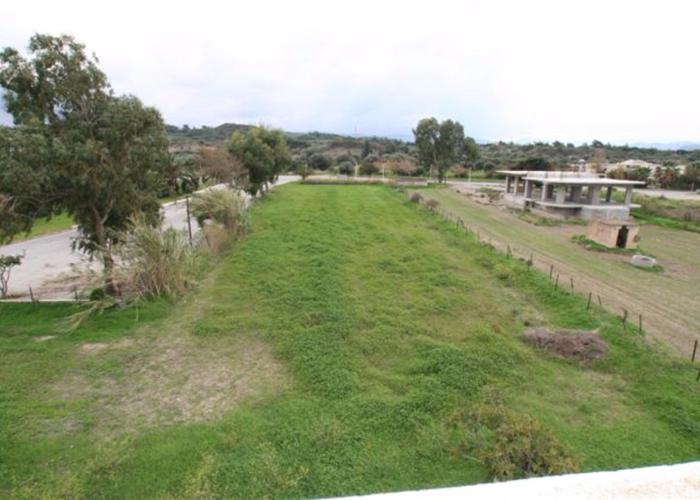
(45, 226)
(674, 214)
(368, 325)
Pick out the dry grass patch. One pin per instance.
(167, 380)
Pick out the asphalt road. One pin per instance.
(49, 260)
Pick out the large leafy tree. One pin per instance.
(219, 164)
(440, 144)
(264, 154)
(75, 147)
(426, 136)
(471, 151)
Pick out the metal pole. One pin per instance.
(189, 222)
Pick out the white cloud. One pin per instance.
(577, 70)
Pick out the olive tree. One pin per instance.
(101, 158)
(439, 144)
(264, 155)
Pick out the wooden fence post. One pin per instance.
(600, 302)
(588, 306)
(31, 294)
(624, 319)
(695, 349)
(551, 270)
(556, 283)
(189, 222)
(640, 323)
(572, 285)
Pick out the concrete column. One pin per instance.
(517, 185)
(576, 193)
(608, 195)
(595, 195)
(628, 196)
(528, 189)
(509, 181)
(561, 194)
(545, 188)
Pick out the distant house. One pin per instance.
(629, 165)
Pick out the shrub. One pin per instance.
(7, 262)
(513, 445)
(346, 168)
(368, 167)
(318, 161)
(223, 206)
(216, 237)
(150, 262)
(460, 171)
(416, 198)
(97, 294)
(153, 261)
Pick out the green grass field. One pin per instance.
(44, 226)
(332, 352)
(668, 301)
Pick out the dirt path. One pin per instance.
(669, 302)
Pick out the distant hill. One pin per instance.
(203, 134)
(670, 146)
(330, 144)
(493, 155)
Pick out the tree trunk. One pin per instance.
(106, 251)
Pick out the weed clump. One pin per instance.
(584, 346)
(432, 204)
(222, 206)
(512, 445)
(416, 198)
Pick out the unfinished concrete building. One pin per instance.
(568, 194)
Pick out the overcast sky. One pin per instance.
(612, 70)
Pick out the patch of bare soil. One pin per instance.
(585, 346)
(89, 348)
(482, 195)
(168, 380)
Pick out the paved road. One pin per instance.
(49, 259)
(667, 193)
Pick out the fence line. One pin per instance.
(486, 237)
(511, 251)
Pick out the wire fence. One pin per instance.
(566, 281)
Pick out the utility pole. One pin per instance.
(189, 222)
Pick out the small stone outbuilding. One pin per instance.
(614, 233)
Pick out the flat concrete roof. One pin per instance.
(568, 178)
(574, 204)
